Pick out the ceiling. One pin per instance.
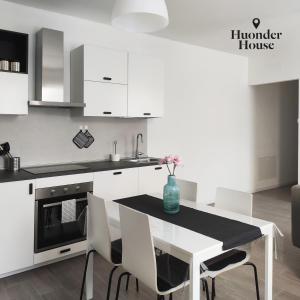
(190, 20)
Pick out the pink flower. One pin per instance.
(177, 161)
(169, 159)
(162, 161)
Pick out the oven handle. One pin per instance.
(60, 203)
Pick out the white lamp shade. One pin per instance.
(140, 15)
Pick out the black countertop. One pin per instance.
(95, 166)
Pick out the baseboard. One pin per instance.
(41, 264)
(274, 186)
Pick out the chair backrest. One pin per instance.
(188, 189)
(138, 256)
(235, 201)
(98, 234)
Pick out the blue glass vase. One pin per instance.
(171, 196)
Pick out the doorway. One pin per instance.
(276, 110)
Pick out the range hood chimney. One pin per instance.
(49, 70)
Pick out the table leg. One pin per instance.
(268, 266)
(89, 278)
(195, 291)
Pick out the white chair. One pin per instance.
(99, 239)
(164, 274)
(188, 189)
(238, 202)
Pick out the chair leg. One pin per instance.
(119, 283)
(84, 273)
(109, 282)
(255, 277)
(127, 282)
(137, 284)
(206, 289)
(213, 288)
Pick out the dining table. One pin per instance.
(191, 246)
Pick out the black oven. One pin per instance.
(60, 215)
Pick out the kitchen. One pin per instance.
(166, 93)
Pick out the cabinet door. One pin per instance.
(105, 65)
(105, 99)
(14, 93)
(145, 86)
(16, 226)
(152, 179)
(112, 185)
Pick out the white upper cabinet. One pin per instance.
(145, 86)
(104, 99)
(99, 79)
(105, 65)
(14, 93)
(114, 84)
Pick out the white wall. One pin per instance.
(207, 119)
(208, 107)
(275, 115)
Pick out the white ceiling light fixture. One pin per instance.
(140, 15)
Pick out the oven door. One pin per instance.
(60, 221)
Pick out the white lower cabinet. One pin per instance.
(116, 184)
(152, 179)
(16, 225)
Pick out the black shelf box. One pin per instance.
(14, 47)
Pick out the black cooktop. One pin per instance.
(54, 169)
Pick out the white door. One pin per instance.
(145, 86)
(112, 185)
(152, 179)
(105, 65)
(105, 99)
(14, 93)
(16, 225)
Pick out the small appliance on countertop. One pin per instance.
(115, 156)
(11, 163)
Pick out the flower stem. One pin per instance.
(169, 169)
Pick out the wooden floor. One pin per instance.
(61, 281)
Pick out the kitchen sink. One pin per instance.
(143, 160)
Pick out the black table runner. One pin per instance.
(232, 233)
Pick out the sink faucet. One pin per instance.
(137, 152)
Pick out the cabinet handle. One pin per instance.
(117, 173)
(65, 250)
(30, 188)
(106, 78)
(107, 112)
(147, 114)
(158, 168)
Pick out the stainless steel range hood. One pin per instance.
(49, 74)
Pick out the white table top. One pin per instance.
(182, 242)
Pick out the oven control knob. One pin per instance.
(52, 192)
(77, 187)
(66, 190)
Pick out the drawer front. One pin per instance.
(105, 65)
(152, 179)
(63, 180)
(59, 252)
(105, 99)
(112, 185)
